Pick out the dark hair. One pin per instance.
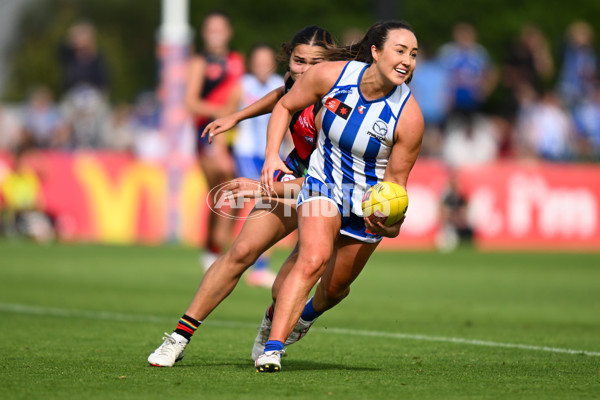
(311, 35)
(361, 51)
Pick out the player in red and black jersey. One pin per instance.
(263, 228)
(213, 91)
(304, 136)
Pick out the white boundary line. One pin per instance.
(60, 312)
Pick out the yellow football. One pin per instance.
(386, 202)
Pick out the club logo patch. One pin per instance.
(337, 107)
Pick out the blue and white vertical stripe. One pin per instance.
(352, 153)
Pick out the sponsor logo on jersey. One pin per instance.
(303, 121)
(337, 107)
(379, 130)
(341, 91)
(309, 139)
(361, 109)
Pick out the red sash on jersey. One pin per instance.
(234, 70)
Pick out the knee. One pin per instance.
(242, 253)
(335, 292)
(312, 266)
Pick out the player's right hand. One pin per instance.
(271, 165)
(218, 126)
(378, 228)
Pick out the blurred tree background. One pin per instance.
(127, 30)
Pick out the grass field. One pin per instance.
(78, 321)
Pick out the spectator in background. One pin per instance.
(251, 138)
(527, 67)
(81, 62)
(579, 64)
(455, 226)
(528, 64)
(87, 119)
(214, 91)
(470, 143)
(121, 133)
(545, 128)
(85, 84)
(43, 126)
(471, 75)
(148, 143)
(586, 117)
(21, 208)
(11, 133)
(429, 86)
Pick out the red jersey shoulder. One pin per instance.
(235, 65)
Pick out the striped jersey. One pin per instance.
(356, 138)
(251, 134)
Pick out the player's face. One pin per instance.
(398, 58)
(303, 57)
(216, 33)
(262, 63)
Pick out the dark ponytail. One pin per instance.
(361, 51)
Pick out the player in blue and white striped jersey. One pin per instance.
(370, 129)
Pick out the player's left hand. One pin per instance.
(244, 187)
(378, 228)
(219, 126)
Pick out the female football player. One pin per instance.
(370, 130)
(213, 90)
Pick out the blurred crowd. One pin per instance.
(542, 100)
(82, 118)
(529, 105)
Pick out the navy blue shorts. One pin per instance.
(352, 224)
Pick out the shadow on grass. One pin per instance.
(301, 365)
(296, 365)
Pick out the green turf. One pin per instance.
(78, 321)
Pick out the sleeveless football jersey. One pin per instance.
(356, 138)
(222, 74)
(251, 137)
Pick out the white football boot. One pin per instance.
(300, 330)
(264, 331)
(168, 353)
(261, 337)
(269, 361)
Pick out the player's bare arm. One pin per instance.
(262, 106)
(249, 188)
(408, 138)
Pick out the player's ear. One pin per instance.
(374, 53)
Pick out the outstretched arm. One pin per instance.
(246, 187)
(263, 106)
